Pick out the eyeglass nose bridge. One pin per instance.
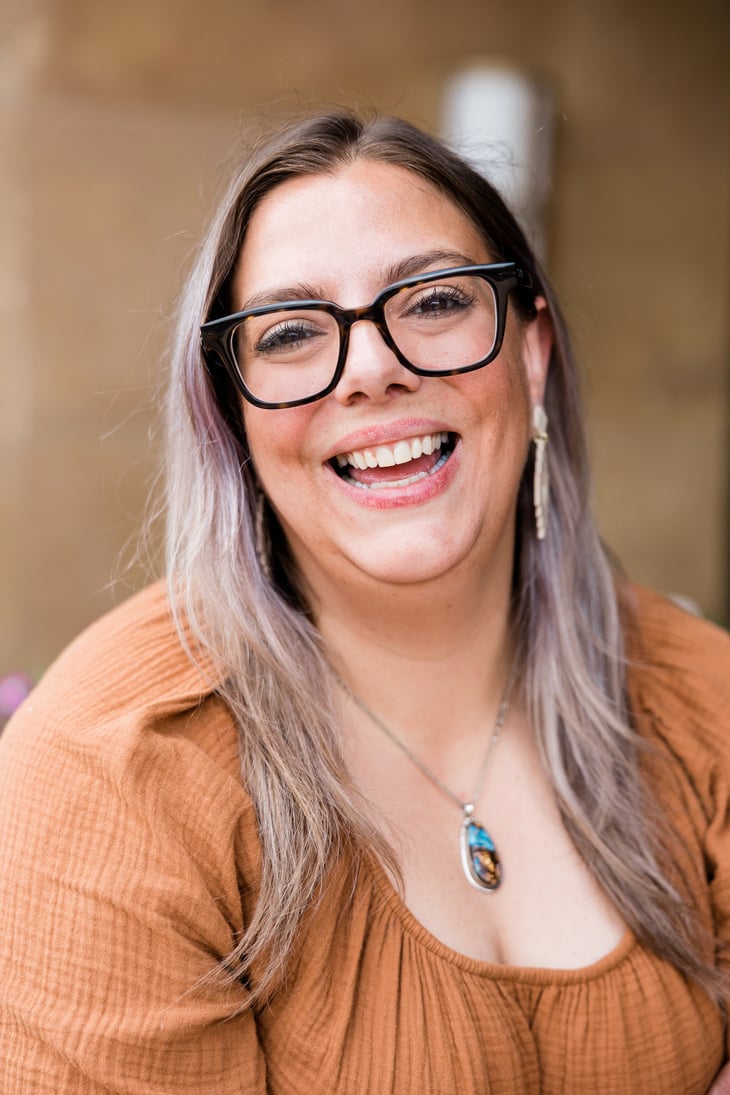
(372, 313)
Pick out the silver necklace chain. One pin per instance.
(468, 806)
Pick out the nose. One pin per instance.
(372, 371)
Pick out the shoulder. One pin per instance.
(666, 638)
(131, 658)
(678, 668)
(130, 667)
(126, 713)
(126, 735)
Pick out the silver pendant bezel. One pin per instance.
(468, 867)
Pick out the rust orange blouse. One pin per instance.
(129, 864)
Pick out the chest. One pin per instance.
(377, 1007)
(548, 910)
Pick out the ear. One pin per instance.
(536, 349)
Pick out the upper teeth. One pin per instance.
(387, 456)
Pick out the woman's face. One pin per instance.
(343, 237)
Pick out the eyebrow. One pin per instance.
(421, 264)
(397, 271)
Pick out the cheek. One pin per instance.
(275, 439)
(499, 398)
(278, 445)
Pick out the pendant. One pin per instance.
(479, 857)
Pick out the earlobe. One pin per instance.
(537, 348)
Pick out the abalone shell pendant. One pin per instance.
(479, 856)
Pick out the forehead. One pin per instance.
(351, 224)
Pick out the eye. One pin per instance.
(435, 302)
(287, 337)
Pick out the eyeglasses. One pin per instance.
(437, 324)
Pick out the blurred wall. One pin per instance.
(116, 121)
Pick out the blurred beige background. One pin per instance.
(116, 122)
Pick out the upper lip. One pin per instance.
(387, 434)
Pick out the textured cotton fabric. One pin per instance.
(128, 868)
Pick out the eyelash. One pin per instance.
(439, 293)
(278, 338)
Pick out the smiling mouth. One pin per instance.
(397, 465)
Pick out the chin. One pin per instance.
(412, 567)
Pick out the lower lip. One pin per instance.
(413, 494)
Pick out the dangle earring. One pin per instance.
(261, 534)
(541, 481)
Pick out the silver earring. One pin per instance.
(541, 481)
(261, 534)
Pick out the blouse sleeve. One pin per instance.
(119, 896)
(682, 678)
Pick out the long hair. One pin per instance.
(271, 665)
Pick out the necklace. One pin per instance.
(479, 857)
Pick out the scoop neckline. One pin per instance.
(494, 971)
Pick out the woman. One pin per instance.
(416, 794)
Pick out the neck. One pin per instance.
(408, 650)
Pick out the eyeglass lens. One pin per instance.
(447, 324)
